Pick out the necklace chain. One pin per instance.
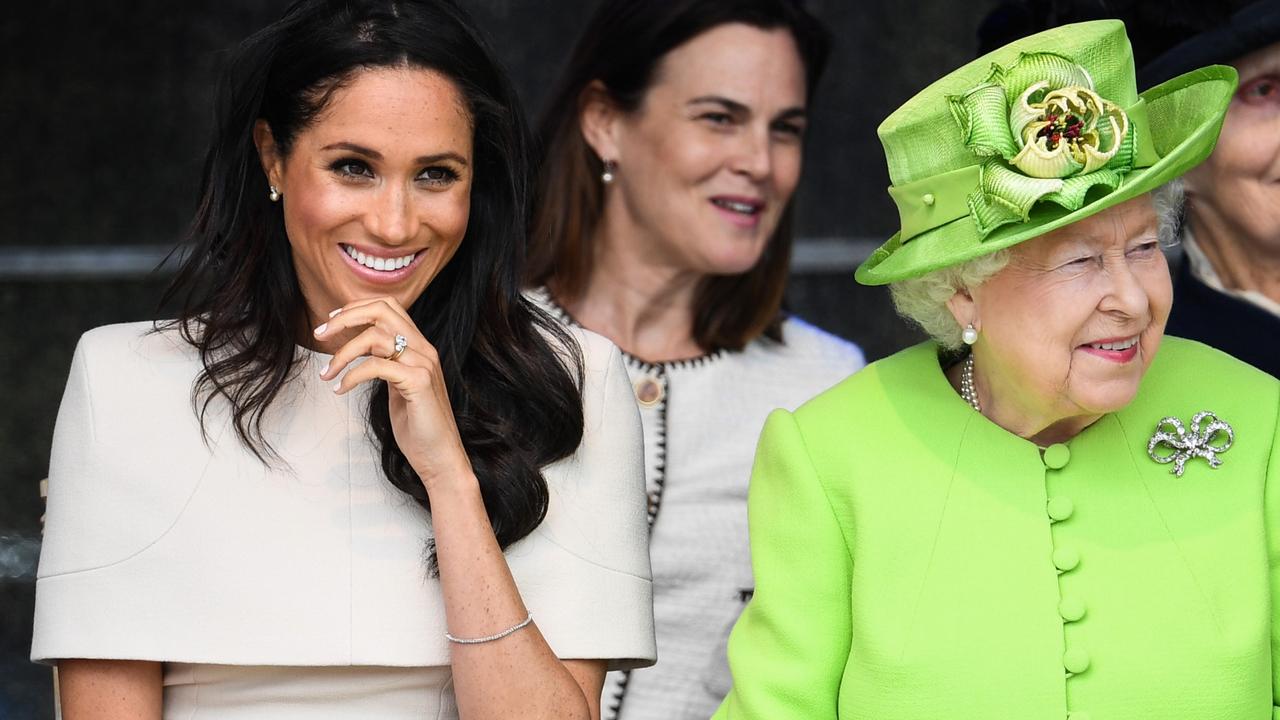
(968, 390)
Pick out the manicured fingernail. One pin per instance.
(322, 328)
(335, 312)
(324, 370)
(337, 387)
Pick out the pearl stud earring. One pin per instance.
(970, 334)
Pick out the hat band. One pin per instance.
(936, 200)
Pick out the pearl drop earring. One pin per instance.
(970, 334)
(607, 176)
(273, 193)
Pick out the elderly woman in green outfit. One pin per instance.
(1052, 511)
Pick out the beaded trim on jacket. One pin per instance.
(659, 371)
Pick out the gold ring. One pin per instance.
(402, 342)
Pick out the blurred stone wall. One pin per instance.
(104, 110)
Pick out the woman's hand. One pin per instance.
(421, 416)
(519, 675)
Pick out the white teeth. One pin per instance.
(738, 207)
(1121, 345)
(378, 263)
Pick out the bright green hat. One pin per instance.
(1041, 133)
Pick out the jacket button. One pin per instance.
(1056, 456)
(1071, 608)
(1060, 508)
(1075, 660)
(1066, 559)
(648, 391)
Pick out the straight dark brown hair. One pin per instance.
(622, 47)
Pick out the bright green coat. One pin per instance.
(915, 561)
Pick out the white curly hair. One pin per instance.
(923, 300)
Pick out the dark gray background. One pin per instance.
(104, 110)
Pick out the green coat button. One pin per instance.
(1056, 456)
(1071, 608)
(1066, 559)
(1075, 660)
(1060, 508)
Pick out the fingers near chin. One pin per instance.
(378, 319)
(384, 305)
(372, 342)
(374, 368)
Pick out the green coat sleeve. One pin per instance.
(1272, 514)
(788, 650)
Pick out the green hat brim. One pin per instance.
(1186, 114)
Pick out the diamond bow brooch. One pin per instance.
(1208, 437)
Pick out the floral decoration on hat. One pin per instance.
(1045, 135)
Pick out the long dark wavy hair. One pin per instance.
(516, 398)
(622, 47)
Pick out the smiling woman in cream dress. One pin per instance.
(360, 475)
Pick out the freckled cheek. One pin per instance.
(313, 216)
(446, 218)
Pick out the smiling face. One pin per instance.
(1069, 327)
(377, 189)
(1238, 187)
(708, 162)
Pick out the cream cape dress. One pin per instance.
(302, 591)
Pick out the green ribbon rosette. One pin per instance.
(1045, 135)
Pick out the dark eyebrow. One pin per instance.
(732, 106)
(795, 113)
(738, 108)
(375, 155)
(432, 159)
(357, 149)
